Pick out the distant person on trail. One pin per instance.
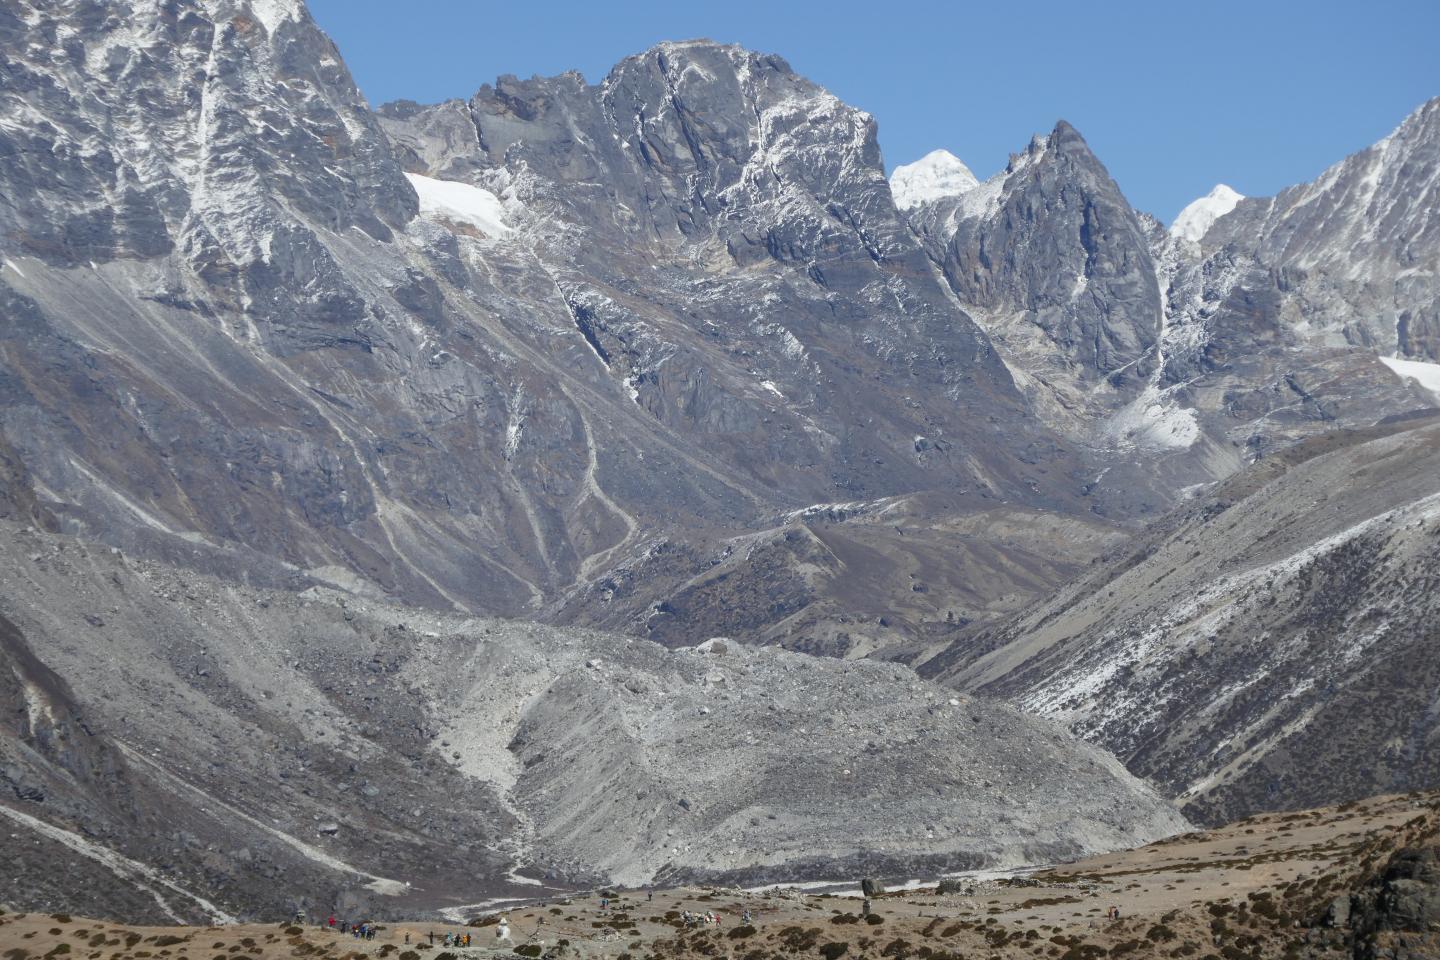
(331, 921)
(431, 935)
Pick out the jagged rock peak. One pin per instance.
(935, 176)
(1063, 141)
(1199, 215)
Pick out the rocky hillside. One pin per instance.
(1269, 646)
(186, 747)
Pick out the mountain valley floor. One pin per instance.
(1358, 880)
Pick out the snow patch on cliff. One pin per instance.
(1427, 375)
(462, 203)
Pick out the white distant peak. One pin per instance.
(936, 175)
(1196, 219)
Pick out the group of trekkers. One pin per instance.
(693, 920)
(364, 930)
(454, 939)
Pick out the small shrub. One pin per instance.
(834, 950)
(897, 948)
(1159, 933)
(527, 950)
(799, 940)
(294, 931)
(874, 919)
(60, 917)
(409, 955)
(844, 918)
(741, 932)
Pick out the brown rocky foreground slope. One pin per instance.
(1354, 881)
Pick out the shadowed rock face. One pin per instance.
(722, 233)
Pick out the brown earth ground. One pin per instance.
(1259, 888)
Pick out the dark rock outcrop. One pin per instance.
(1397, 915)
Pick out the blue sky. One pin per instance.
(1173, 96)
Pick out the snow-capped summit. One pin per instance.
(936, 175)
(1196, 219)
